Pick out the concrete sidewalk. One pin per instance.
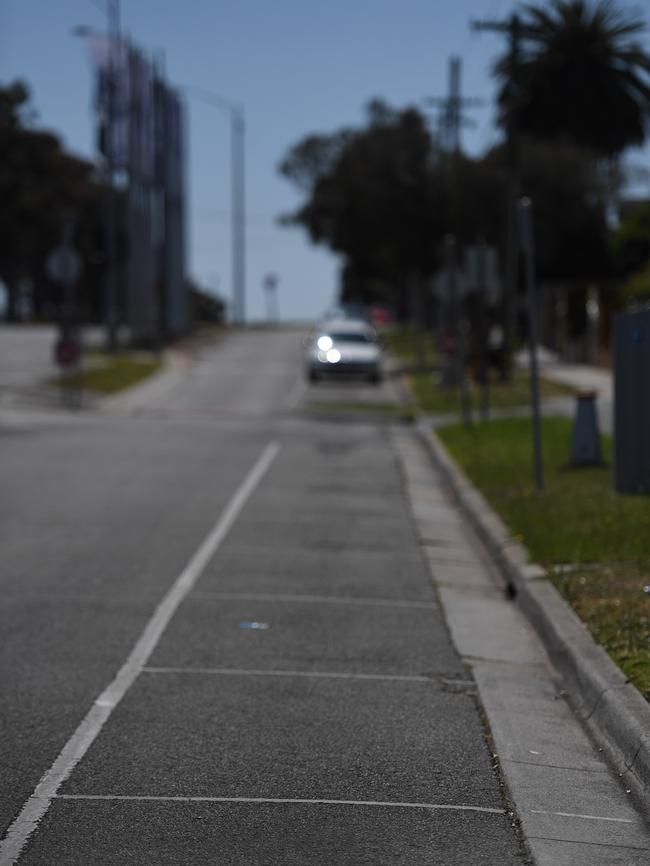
(582, 377)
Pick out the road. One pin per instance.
(221, 642)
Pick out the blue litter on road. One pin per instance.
(261, 626)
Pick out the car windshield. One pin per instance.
(350, 338)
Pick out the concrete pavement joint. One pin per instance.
(584, 817)
(315, 599)
(433, 807)
(242, 672)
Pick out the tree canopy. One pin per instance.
(581, 76)
(372, 196)
(384, 197)
(40, 186)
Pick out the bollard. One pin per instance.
(585, 441)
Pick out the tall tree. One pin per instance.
(40, 186)
(582, 77)
(372, 196)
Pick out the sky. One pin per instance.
(296, 66)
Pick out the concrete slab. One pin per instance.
(532, 721)
(487, 628)
(335, 637)
(389, 574)
(576, 806)
(453, 574)
(560, 853)
(326, 534)
(79, 833)
(229, 736)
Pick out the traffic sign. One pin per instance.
(63, 265)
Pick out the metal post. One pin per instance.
(110, 288)
(238, 214)
(526, 229)
(484, 368)
(459, 327)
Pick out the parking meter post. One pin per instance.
(460, 327)
(465, 397)
(526, 232)
(484, 369)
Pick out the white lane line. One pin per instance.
(295, 395)
(243, 672)
(315, 599)
(585, 817)
(287, 800)
(79, 743)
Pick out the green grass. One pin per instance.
(576, 519)
(412, 345)
(611, 601)
(416, 348)
(502, 395)
(404, 412)
(116, 373)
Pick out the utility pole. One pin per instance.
(110, 287)
(450, 122)
(238, 213)
(513, 28)
(270, 284)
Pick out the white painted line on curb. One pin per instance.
(585, 817)
(243, 672)
(79, 743)
(295, 395)
(315, 599)
(283, 800)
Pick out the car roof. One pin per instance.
(346, 326)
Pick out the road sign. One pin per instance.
(67, 351)
(63, 265)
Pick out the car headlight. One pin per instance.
(333, 356)
(324, 343)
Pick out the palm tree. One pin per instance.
(580, 76)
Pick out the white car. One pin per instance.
(344, 348)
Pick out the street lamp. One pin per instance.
(235, 112)
(110, 286)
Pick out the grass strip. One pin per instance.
(416, 348)
(405, 413)
(594, 542)
(502, 395)
(116, 373)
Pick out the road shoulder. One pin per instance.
(572, 807)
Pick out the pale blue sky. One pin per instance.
(297, 66)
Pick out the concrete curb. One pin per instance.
(612, 707)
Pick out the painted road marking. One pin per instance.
(243, 672)
(284, 800)
(315, 599)
(79, 743)
(585, 817)
(295, 395)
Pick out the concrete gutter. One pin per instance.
(613, 709)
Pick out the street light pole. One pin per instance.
(238, 214)
(113, 14)
(235, 113)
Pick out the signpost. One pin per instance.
(63, 266)
(526, 230)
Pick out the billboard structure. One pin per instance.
(141, 119)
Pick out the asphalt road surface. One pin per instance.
(220, 640)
